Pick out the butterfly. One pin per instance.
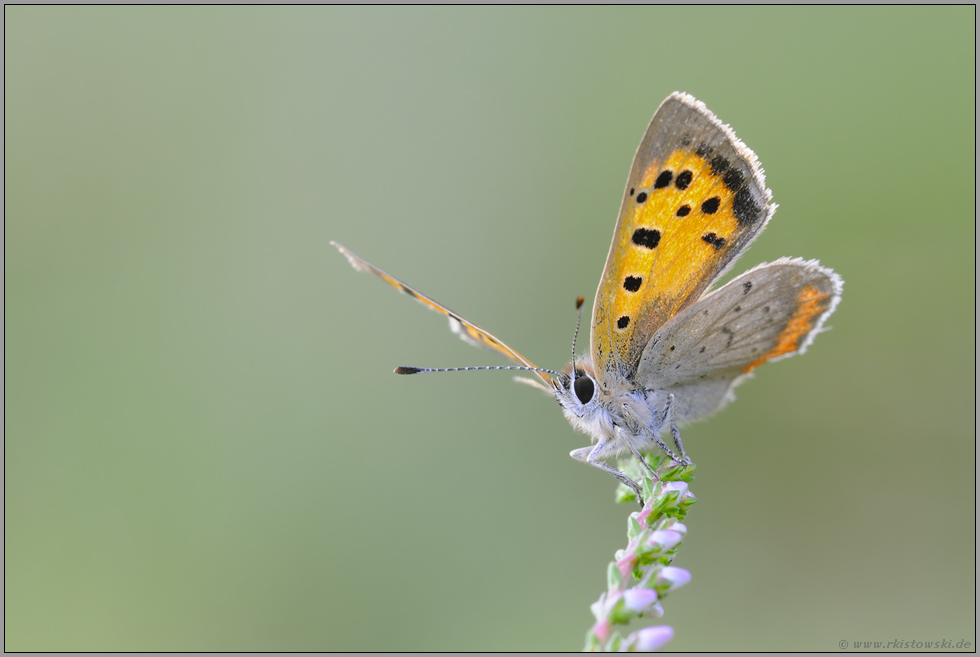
(666, 348)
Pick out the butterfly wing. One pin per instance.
(468, 331)
(694, 201)
(770, 312)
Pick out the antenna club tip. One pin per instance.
(579, 302)
(407, 370)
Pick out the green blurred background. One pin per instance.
(205, 448)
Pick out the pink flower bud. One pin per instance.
(639, 600)
(673, 578)
(665, 538)
(678, 486)
(652, 638)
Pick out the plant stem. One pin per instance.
(641, 575)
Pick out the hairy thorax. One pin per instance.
(603, 411)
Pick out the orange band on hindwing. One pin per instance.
(811, 304)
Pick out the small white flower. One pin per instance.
(672, 577)
(652, 638)
(665, 538)
(639, 600)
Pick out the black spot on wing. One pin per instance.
(711, 205)
(632, 283)
(623, 321)
(684, 179)
(663, 179)
(719, 165)
(646, 237)
(641, 197)
(746, 286)
(746, 210)
(713, 240)
(731, 335)
(734, 180)
(684, 210)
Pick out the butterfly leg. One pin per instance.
(590, 456)
(661, 443)
(675, 432)
(639, 457)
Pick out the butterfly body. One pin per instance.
(619, 418)
(599, 412)
(666, 349)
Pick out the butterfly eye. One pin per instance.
(584, 387)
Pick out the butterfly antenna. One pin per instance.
(423, 370)
(578, 324)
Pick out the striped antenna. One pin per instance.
(578, 324)
(423, 370)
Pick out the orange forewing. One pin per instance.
(694, 201)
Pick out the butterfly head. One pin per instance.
(576, 387)
(578, 392)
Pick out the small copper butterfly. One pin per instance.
(666, 349)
